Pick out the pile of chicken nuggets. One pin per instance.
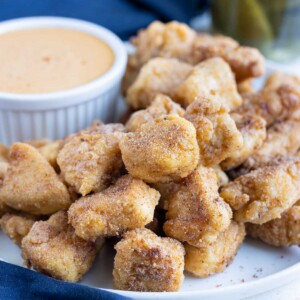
(202, 160)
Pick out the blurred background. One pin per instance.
(271, 25)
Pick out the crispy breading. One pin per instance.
(159, 75)
(245, 62)
(217, 134)
(265, 193)
(161, 151)
(245, 86)
(52, 248)
(4, 150)
(214, 258)
(170, 40)
(90, 162)
(221, 176)
(253, 130)
(16, 227)
(127, 204)
(31, 184)
(283, 139)
(212, 77)
(162, 105)
(278, 100)
(196, 213)
(50, 152)
(281, 232)
(148, 263)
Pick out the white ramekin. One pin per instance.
(54, 115)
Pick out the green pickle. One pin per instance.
(273, 26)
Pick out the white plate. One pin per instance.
(256, 269)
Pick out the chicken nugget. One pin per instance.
(196, 213)
(215, 257)
(161, 151)
(253, 130)
(281, 232)
(50, 152)
(245, 62)
(16, 227)
(217, 134)
(4, 151)
(282, 139)
(127, 204)
(170, 40)
(265, 193)
(159, 75)
(147, 263)
(209, 78)
(278, 100)
(31, 184)
(51, 247)
(162, 105)
(245, 86)
(90, 162)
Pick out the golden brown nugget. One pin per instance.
(127, 204)
(38, 143)
(283, 139)
(170, 40)
(245, 62)
(196, 213)
(165, 190)
(278, 100)
(264, 194)
(221, 176)
(31, 184)
(4, 151)
(91, 162)
(161, 151)
(50, 152)
(281, 232)
(217, 134)
(209, 78)
(52, 248)
(214, 258)
(158, 76)
(16, 227)
(162, 105)
(147, 263)
(253, 130)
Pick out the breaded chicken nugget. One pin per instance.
(221, 176)
(16, 227)
(162, 105)
(148, 263)
(214, 258)
(31, 184)
(278, 100)
(281, 232)
(127, 204)
(159, 75)
(283, 139)
(209, 78)
(161, 151)
(217, 134)
(52, 248)
(4, 151)
(245, 62)
(245, 86)
(253, 130)
(170, 40)
(90, 162)
(265, 193)
(196, 213)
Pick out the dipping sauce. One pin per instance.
(51, 60)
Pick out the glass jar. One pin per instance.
(273, 26)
